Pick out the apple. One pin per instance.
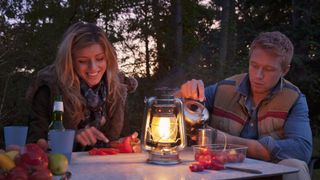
(41, 173)
(58, 163)
(17, 173)
(12, 154)
(32, 157)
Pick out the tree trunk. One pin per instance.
(158, 37)
(224, 36)
(178, 31)
(146, 35)
(227, 38)
(232, 39)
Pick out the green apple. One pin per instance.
(58, 163)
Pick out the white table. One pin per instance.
(133, 166)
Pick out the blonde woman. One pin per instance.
(94, 93)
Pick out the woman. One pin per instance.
(94, 93)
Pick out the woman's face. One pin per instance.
(90, 64)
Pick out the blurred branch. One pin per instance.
(4, 96)
(1, 56)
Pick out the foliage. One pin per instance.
(144, 34)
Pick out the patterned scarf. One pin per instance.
(96, 98)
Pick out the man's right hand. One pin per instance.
(193, 89)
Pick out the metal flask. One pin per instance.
(196, 115)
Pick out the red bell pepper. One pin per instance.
(103, 151)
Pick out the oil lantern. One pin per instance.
(163, 132)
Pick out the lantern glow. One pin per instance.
(164, 129)
(163, 132)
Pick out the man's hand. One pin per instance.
(89, 136)
(193, 89)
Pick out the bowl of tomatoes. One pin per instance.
(221, 153)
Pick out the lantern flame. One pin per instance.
(164, 129)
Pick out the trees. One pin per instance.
(163, 42)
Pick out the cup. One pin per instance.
(15, 135)
(205, 136)
(61, 141)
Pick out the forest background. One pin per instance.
(160, 42)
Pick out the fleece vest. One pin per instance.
(230, 114)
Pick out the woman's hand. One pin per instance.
(89, 136)
(193, 89)
(136, 143)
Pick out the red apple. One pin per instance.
(41, 174)
(17, 173)
(32, 157)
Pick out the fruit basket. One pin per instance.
(230, 153)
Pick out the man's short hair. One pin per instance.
(275, 43)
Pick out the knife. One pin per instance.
(243, 169)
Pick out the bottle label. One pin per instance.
(58, 106)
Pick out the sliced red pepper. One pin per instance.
(126, 144)
(109, 151)
(103, 151)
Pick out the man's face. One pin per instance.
(264, 72)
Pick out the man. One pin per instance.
(261, 109)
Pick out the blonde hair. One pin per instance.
(78, 36)
(275, 43)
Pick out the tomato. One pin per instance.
(205, 151)
(232, 156)
(221, 157)
(217, 165)
(241, 157)
(196, 167)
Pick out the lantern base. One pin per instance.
(164, 158)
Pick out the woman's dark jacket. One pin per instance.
(42, 91)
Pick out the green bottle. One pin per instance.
(57, 114)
